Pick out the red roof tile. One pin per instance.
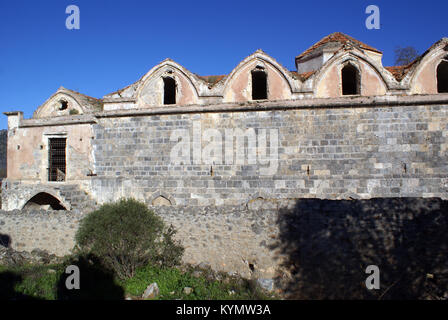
(212, 80)
(302, 76)
(337, 37)
(397, 71)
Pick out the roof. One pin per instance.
(398, 71)
(302, 76)
(83, 99)
(340, 38)
(212, 80)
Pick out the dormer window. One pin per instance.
(442, 76)
(350, 80)
(259, 84)
(169, 91)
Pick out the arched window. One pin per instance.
(442, 76)
(350, 80)
(259, 84)
(169, 91)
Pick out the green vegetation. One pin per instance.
(47, 282)
(122, 248)
(172, 281)
(29, 282)
(73, 111)
(126, 235)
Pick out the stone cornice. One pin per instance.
(308, 103)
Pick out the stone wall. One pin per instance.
(328, 153)
(53, 231)
(328, 245)
(16, 194)
(228, 238)
(321, 247)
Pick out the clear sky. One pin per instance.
(120, 40)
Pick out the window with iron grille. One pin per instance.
(56, 159)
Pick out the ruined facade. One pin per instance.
(340, 126)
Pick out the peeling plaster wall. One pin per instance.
(28, 152)
(330, 84)
(24, 154)
(239, 88)
(52, 107)
(151, 93)
(425, 78)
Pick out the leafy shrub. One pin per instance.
(73, 111)
(126, 235)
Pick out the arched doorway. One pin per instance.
(44, 201)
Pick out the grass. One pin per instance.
(44, 282)
(31, 282)
(172, 281)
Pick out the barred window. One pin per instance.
(56, 159)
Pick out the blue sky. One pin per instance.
(119, 41)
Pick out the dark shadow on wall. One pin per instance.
(96, 283)
(328, 245)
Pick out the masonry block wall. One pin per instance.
(328, 153)
(227, 213)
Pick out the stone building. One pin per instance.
(341, 126)
(219, 155)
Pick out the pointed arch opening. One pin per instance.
(161, 201)
(259, 84)
(442, 76)
(44, 201)
(350, 80)
(169, 91)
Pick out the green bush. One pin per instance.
(126, 235)
(73, 111)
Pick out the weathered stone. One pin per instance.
(197, 274)
(9, 256)
(266, 284)
(188, 290)
(151, 292)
